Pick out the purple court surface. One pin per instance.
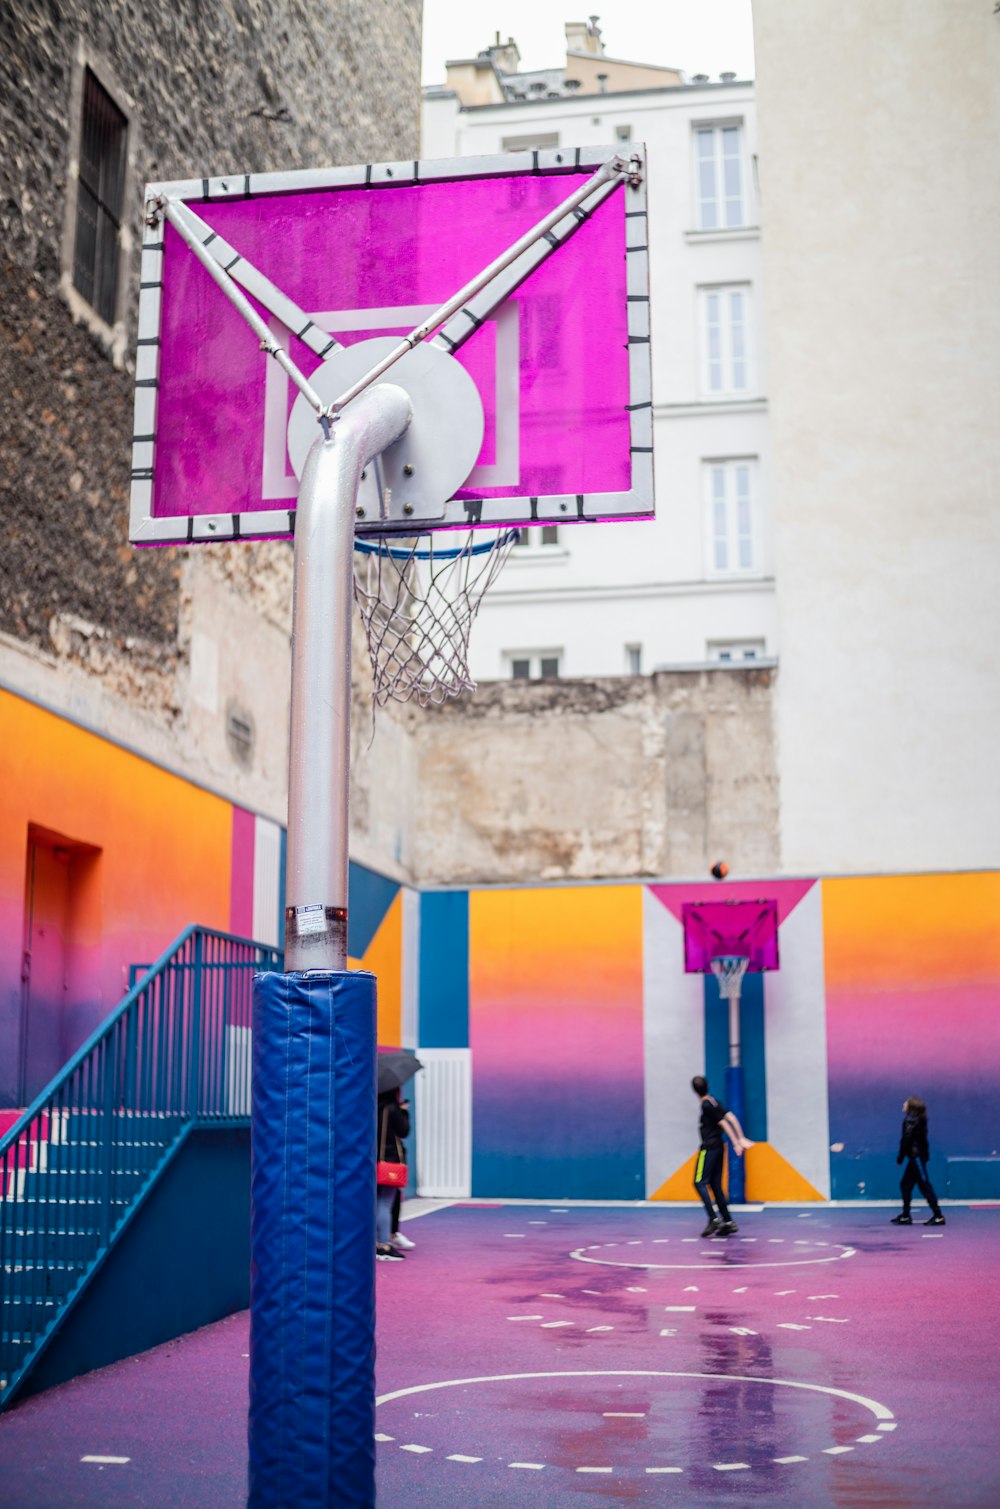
(545, 1355)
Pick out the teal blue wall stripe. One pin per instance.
(444, 969)
(751, 1049)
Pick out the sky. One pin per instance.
(698, 36)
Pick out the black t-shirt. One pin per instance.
(710, 1125)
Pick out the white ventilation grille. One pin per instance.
(266, 879)
(443, 1102)
(239, 1046)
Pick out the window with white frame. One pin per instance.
(537, 537)
(734, 651)
(725, 340)
(532, 665)
(731, 516)
(719, 188)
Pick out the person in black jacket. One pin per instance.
(393, 1126)
(914, 1151)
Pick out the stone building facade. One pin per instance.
(183, 655)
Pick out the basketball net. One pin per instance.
(729, 971)
(418, 602)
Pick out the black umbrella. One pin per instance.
(395, 1068)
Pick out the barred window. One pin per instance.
(100, 198)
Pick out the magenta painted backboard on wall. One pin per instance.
(561, 364)
(730, 929)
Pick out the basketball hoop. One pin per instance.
(729, 970)
(418, 602)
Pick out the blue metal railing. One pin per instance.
(76, 1166)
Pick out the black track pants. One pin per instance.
(708, 1180)
(915, 1173)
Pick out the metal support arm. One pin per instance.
(320, 744)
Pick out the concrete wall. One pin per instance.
(556, 780)
(881, 218)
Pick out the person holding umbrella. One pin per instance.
(395, 1068)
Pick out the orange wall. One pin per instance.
(165, 846)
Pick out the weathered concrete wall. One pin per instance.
(617, 777)
(156, 646)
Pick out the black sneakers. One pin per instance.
(727, 1229)
(937, 1219)
(388, 1255)
(713, 1225)
(902, 1220)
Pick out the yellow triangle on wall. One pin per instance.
(772, 1177)
(769, 1176)
(680, 1186)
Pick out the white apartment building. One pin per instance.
(696, 585)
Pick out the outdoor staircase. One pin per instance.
(79, 1163)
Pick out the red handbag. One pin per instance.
(392, 1175)
(389, 1175)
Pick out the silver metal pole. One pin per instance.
(320, 742)
(734, 1030)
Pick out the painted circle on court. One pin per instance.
(628, 1448)
(723, 1257)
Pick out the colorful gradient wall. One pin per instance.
(121, 855)
(555, 1029)
(913, 1008)
(582, 1032)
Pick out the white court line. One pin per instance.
(791, 1325)
(416, 1448)
(623, 1414)
(109, 1461)
(600, 1328)
(731, 1466)
(457, 1457)
(783, 1460)
(868, 1439)
(552, 1296)
(513, 1233)
(594, 1469)
(664, 1469)
(836, 1451)
(550, 1325)
(528, 1466)
(524, 1317)
(381, 1436)
(681, 1309)
(887, 1426)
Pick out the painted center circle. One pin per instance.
(622, 1421)
(667, 1253)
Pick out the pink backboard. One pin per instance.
(561, 365)
(730, 929)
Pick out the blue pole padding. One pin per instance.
(734, 1103)
(312, 1242)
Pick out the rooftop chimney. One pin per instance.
(584, 36)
